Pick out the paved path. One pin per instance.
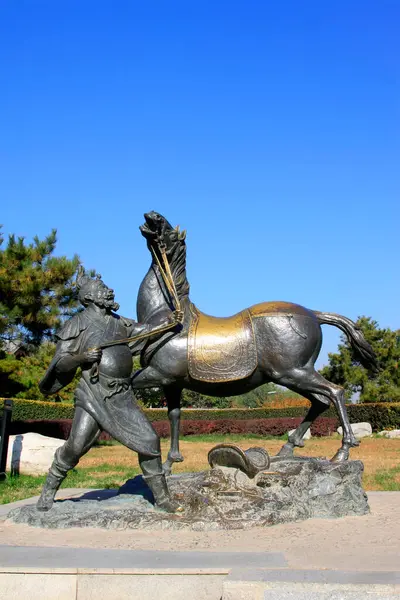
(369, 543)
(344, 559)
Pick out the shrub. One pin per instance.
(25, 410)
(384, 415)
(381, 416)
(55, 428)
(199, 414)
(278, 426)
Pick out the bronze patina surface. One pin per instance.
(215, 356)
(221, 349)
(277, 309)
(250, 461)
(96, 340)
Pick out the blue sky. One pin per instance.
(269, 130)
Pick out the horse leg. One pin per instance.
(150, 377)
(173, 397)
(318, 406)
(349, 440)
(308, 381)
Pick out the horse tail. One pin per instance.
(361, 347)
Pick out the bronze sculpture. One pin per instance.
(272, 341)
(102, 343)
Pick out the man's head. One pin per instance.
(95, 291)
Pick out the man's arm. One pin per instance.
(63, 367)
(69, 363)
(173, 319)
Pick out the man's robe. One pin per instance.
(107, 397)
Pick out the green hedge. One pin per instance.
(381, 416)
(207, 414)
(384, 415)
(37, 410)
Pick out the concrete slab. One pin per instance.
(45, 558)
(257, 591)
(267, 584)
(307, 576)
(37, 587)
(143, 587)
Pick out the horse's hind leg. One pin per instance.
(173, 397)
(307, 381)
(318, 406)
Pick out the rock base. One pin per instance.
(222, 498)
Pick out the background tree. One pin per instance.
(344, 368)
(36, 296)
(20, 376)
(36, 291)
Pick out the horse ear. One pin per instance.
(182, 235)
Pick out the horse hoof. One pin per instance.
(287, 451)
(340, 456)
(175, 457)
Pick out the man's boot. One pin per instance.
(55, 477)
(49, 491)
(163, 500)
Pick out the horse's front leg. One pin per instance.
(173, 397)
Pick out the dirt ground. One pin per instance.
(368, 543)
(379, 455)
(371, 542)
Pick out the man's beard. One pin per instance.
(112, 305)
(108, 304)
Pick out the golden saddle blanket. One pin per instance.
(221, 349)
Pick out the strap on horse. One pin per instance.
(166, 273)
(170, 284)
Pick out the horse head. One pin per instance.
(158, 233)
(157, 229)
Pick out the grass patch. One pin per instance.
(389, 480)
(18, 487)
(109, 465)
(105, 476)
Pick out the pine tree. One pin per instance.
(19, 377)
(36, 292)
(344, 369)
(36, 296)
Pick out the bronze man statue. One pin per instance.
(104, 399)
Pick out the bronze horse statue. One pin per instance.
(269, 342)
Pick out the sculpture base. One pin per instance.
(222, 498)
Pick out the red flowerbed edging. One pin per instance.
(278, 426)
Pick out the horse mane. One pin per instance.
(177, 261)
(176, 255)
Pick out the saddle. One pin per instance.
(221, 349)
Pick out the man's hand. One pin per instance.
(92, 355)
(177, 317)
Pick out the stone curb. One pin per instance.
(37, 558)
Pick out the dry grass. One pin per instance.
(379, 455)
(283, 402)
(110, 466)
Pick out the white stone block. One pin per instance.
(360, 430)
(306, 436)
(393, 435)
(31, 453)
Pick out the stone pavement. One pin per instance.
(319, 559)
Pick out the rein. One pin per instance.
(139, 336)
(166, 274)
(170, 284)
